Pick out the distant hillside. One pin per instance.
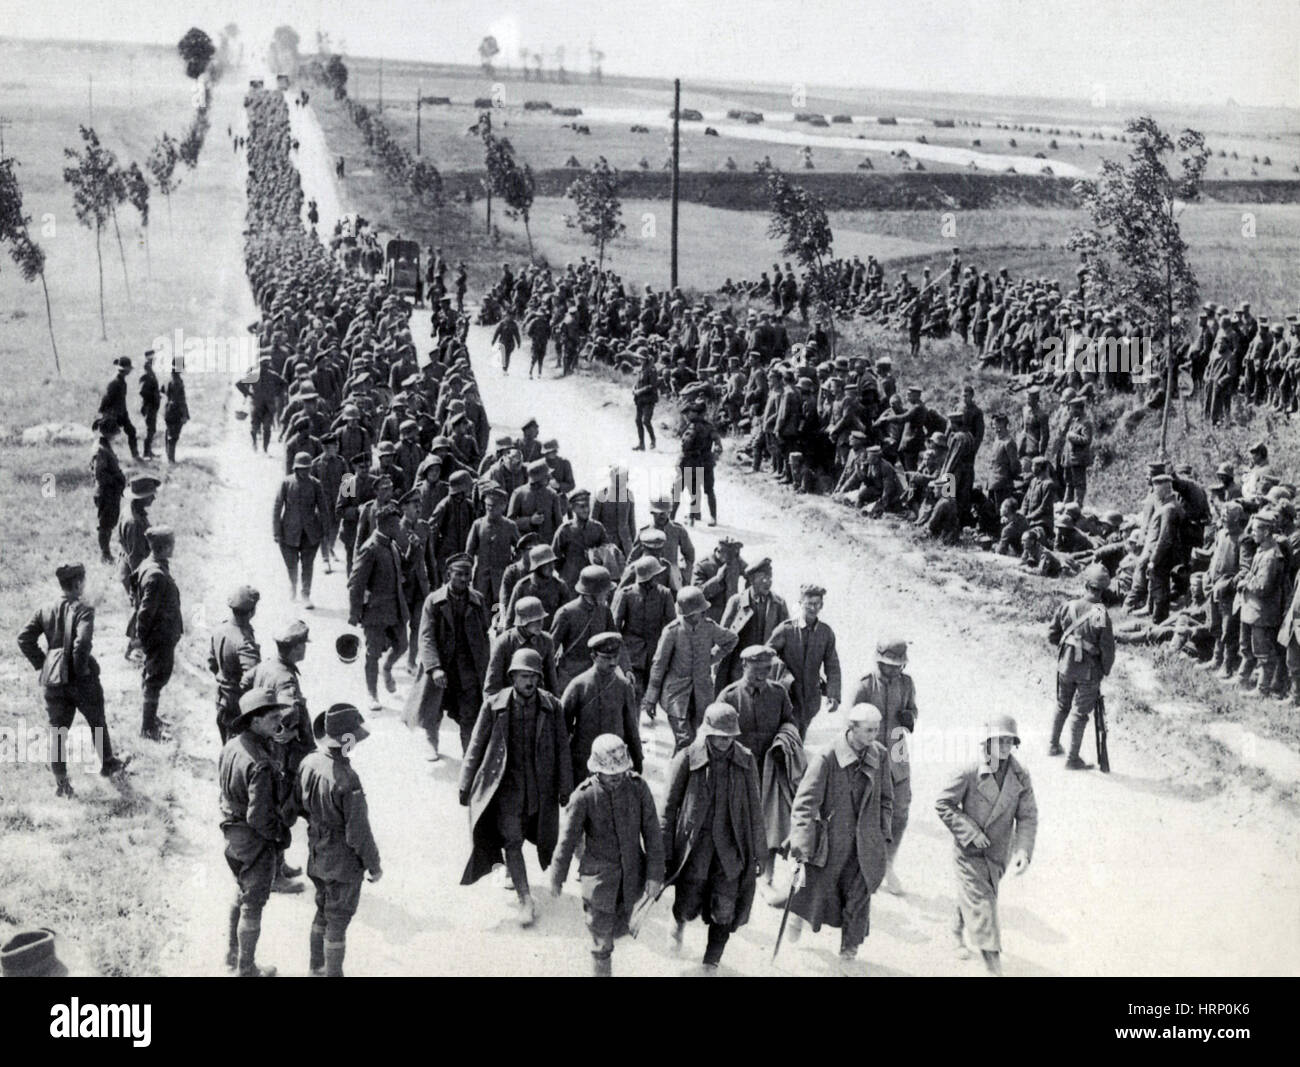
(746, 191)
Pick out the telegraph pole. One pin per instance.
(90, 98)
(3, 123)
(417, 118)
(381, 85)
(677, 119)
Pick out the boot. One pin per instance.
(527, 910)
(232, 948)
(334, 951)
(1058, 724)
(675, 937)
(316, 944)
(1075, 763)
(63, 787)
(115, 766)
(1245, 678)
(601, 967)
(390, 683)
(248, 936)
(993, 961)
(1215, 661)
(848, 963)
(286, 871)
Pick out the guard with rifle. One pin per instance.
(1085, 643)
(840, 829)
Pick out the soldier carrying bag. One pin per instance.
(57, 669)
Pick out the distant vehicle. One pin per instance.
(689, 114)
(282, 81)
(255, 83)
(402, 267)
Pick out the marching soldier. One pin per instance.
(612, 818)
(540, 582)
(576, 536)
(376, 603)
(806, 647)
(355, 490)
(491, 543)
(1085, 642)
(69, 673)
(575, 622)
(751, 614)
(599, 701)
(176, 412)
(526, 632)
(329, 469)
(340, 846)
(536, 508)
(252, 822)
(641, 610)
(515, 778)
(110, 483)
(298, 521)
(989, 807)
(889, 688)
(158, 625)
(840, 828)
(233, 655)
(714, 841)
(150, 401)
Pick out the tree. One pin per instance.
(197, 49)
(120, 194)
(162, 166)
(524, 55)
(336, 76)
(488, 49)
(137, 191)
(1136, 253)
(598, 207)
(15, 228)
(798, 220)
(513, 183)
(93, 196)
(284, 50)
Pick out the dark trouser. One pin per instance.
(329, 540)
(683, 726)
(855, 905)
(645, 414)
(348, 531)
(1259, 645)
(902, 807)
(1075, 699)
(109, 510)
(128, 428)
(227, 710)
(506, 353)
(260, 424)
(696, 481)
(1076, 484)
(150, 416)
(254, 878)
(1159, 577)
(61, 705)
(336, 903)
(304, 554)
(537, 358)
(172, 438)
(158, 663)
(714, 899)
(1225, 628)
(512, 825)
(378, 638)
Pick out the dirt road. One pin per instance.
(1134, 873)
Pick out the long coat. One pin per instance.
(375, 584)
(436, 646)
(484, 768)
(738, 614)
(824, 799)
(683, 664)
(616, 824)
(300, 513)
(972, 802)
(594, 706)
(806, 662)
(688, 813)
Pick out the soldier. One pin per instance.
(158, 625)
(329, 469)
(298, 519)
(515, 778)
(714, 840)
(176, 412)
(355, 490)
(700, 448)
(561, 470)
(576, 536)
(526, 632)
(645, 394)
(679, 552)
(233, 655)
(376, 603)
(340, 846)
(450, 523)
(718, 576)
(112, 406)
(840, 829)
(454, 656)
(1085, 641)
(491, 543)
(506, 335)
(264, 392)
(640, 611)
(611, 819)
(1263, 594)
(536, 507)
(1004, 464)
(150, 401)
(889, 687)
(681, 673)
(1076, 456)
(751, 615)
(542, 583)
(575, 622)
(1221, 592)
(251, 821)
(1160, 548)
(110, 483)
(806, 647)
(69, 674)
(133, 546)
(601, 700)
(615, 509)
(419, 568)
(989, 807)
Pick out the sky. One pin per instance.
(1183, 51)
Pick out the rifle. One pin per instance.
(796, 882)
(1099, 720)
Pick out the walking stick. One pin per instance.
(1099, 721)
(796, 882)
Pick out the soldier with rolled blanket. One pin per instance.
(714, 841)
(611, 817)
(601, 700)
(841, 824)
(233, 655)
(515, 778)
(341, 849)
(990, 809)
(252, 821)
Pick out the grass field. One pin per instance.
(93, 869)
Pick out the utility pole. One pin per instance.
(90, 98)
(3, 123)
(677, 119)
(381, 85)
(417, 118)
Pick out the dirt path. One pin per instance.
(1132, 875)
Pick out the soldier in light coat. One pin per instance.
(340, 846)
(806, 648)
(840, 827)
(681, 673)
(612, 814)
(989, 808)
(233, 655)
